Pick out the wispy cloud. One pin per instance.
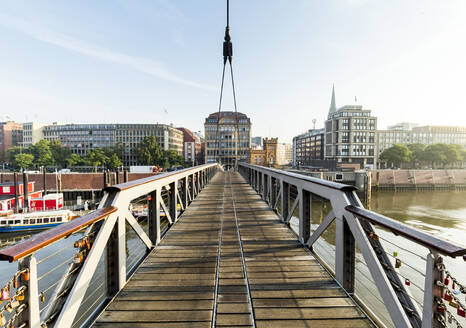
(64, 41)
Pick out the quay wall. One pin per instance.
(418, 179)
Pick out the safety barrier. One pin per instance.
(357, 228)
(67, 275)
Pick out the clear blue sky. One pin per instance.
(129, 60)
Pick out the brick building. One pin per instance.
(11, 134)
(267, 156)
(192, 147)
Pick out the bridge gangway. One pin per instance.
(232, 249)
(230, 262)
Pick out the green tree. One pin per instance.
(73, 159)
(60, 154)
(171, 158)
(396, 155)
(96, 157)
(452, 155)
(148, 151)
(118, 149)
(113, 162)
(23, 161)
(13, 151)
(461, 151)
(42, 153)
(417, 153)
(435, 154)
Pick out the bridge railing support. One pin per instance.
(356, 226)
(68, 294)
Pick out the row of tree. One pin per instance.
(419, 155)
(52, 153)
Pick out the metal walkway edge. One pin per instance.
(229, 262)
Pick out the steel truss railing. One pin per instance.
(355, 226)
(104, 237)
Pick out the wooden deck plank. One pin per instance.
(175, 285)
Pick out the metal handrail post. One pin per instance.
(184, 192)
(272, 192)
(172, 201)
(154, 217)
(304, 215)
(345, 255)
(31, 313)
(285, 187)
(431, 318)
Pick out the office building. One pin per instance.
(80, 138)
(32, 133)
(256, 142)
(307, 148)
(168, 137)
(221, 143)
(350, 135)
(427, 135)
(402, 126)
(284, 153)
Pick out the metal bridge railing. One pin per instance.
(68, 274)
(407, 276)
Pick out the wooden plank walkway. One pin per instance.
(229, 262)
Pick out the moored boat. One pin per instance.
(35, 220)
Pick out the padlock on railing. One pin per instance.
(80, 242)
(9, 307)
(2, 319)
(15, 281)
(20, 293)
(24, 275)
(14, 303)
(79, 257)
(5, 294)
(42, 297)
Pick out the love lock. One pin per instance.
(5, 294)
(20, 296)
(9, 308)
(25, 275)
(2, 319)
(14, 303)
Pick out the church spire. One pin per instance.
(333, 107)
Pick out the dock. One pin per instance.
(230, 262)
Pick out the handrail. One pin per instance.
(79, 257)
(45, 238)
(329, 184)
(138, 182)
(354, 226)
(398, 228)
